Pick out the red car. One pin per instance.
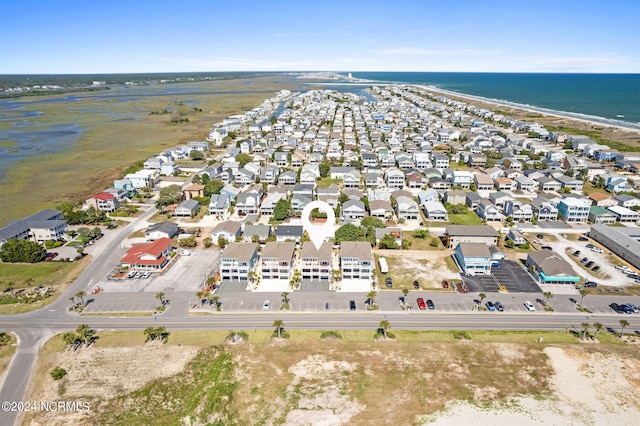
(421, 305)
(445, 284)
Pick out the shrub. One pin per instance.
(461, 334)
(58, 373)
(332, 334)
(240, 335)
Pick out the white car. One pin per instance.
(596, 250)
(266, 305)
(185, 253)
(537, 241)
(147, 274)
(529, 306)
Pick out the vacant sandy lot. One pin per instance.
(426, 266)
(417, 379)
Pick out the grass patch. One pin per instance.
(467, 218)
(596, 135)
(431, 242)
(58, 275)
(326, 182)
(6, 351)
(451, 264)
(136, 234)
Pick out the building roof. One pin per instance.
(289, 231)
(278, 250)
(471, 230)
(105, 196)
(166, 226)
(154, 249)
(357, 250)
(474, 250)
(242, 252)
(552, 264)
(227, 226)
(309, 251)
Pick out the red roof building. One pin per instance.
(104, 201)
(148, 257)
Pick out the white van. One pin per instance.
(382, 262)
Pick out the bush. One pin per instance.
(207, 242)
(330, 335)
(58, 373)
(283, 335)
(461, 334)
(241, 335)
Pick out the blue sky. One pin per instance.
(70, 36)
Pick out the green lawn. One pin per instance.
(429, 243)
(41, 273)
(327, 182)
(468, 218)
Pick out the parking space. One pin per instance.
(515, 278)
(314, 286)
(228, 287)
(480, 283)
(120, 303)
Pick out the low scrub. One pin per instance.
(332, 334)
(461, 335)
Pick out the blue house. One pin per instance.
(473, 258)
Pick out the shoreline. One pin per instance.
(587, 119)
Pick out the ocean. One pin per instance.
(605, 98)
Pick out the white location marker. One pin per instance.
(318, 233)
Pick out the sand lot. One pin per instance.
(358, 382)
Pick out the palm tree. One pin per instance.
(213, 299)
(372, 296)
(583, 293)
(547, 295)
(598, 326)
(151, 334)
(85, 333)
(28, 281)
(70, 339)
(72, 299)
(384, 326)
(585, 330)
(160, 296)
(80, 295)
(623, 324)
(285, 297)
(278, 324)
(482, 296)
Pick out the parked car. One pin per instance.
(596, 268)
(146, 274)
(591, 284)
(266, 305)
(589, 264)
(131, 274)
(583, 239)
(540, 236)
(546, 248)
(352, 305)
(445, 284)
(499, 306)
(529, 306)
(633, 307)
(416, 285)
(388, 282)
(617, 308)
(185, 253)
(537, 241)
(584, 260)
(139, 274)
(589, 246)
(490, 306)
(576, 253)
(430, 304)
(597, 250)
(421, 305)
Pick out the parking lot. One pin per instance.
(185, 274)
(510, 274)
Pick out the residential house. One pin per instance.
(245, 177)
(602, 200)
(395, 178)
(515, 236)
(230, 191)
(269, 203)
(373, 179)
(415, 179)
(269, 174)
(550, 268)
(574, 210)
(256, 233)
(381, 209)
(287, 178)
(548, 183)
(571, 183)
(277, 261)
(315, 264)
(626, 200)
(238, 260)
(351, 179)
(544, 210)
(499, 198)
(187, 208)
(473, 258)
(455, 197)
(219, 206)
(229, 230)
(472, 199)
(526, 184)
(440, 161)
(104, 201)
(289, 233)
(489, 212)
(248, 203)
(439, 184)
(435, 211)
(352, 210)
(461, 178)
(601, 215)
(618, 184)
(407, 208)
(329, 195)
(457, 234)
(483, 182)
(624, 215)
(393, 231)
(193, 191)
(356, 261)
(299, 202)
(504, 184)
(518, 211)
(152, 256)
(159, 230)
